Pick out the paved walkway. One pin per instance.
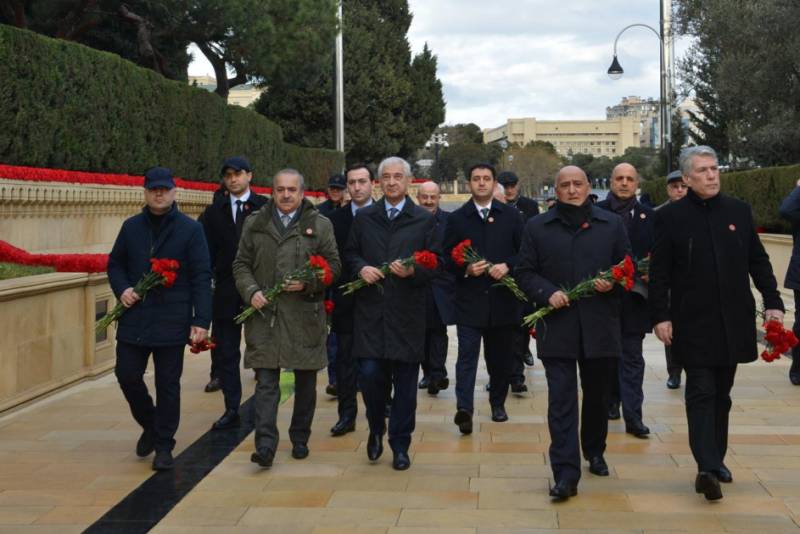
(66, 460)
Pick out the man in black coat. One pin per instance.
(638, 221)
(790, 210)
(438, 301)
(336, 188)
(223, 222)
(389, 317)
(705, 254)
(167, 319)
(485, 310)
(359, 185)
(570, 243)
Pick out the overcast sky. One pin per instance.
(547, 59)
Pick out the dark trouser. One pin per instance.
(332, 345)
(673, 367)
(265, 407)
(708, 402)
(346, 377)
(796, 328)
(433, 366)
(562, 412)
(164, 416)
(496, 351)
(377, 377)
(630, 378)
(228, 336)
(520, 348)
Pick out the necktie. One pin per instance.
(286, 219)
(484, 213)
(239, 217)
(393, 213)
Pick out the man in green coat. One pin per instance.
(290, 331)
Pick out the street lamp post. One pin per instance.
(437, 141)
(615, 72)
(340, 85)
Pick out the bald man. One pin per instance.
(439, 303)
(638, 221)
(584, 334)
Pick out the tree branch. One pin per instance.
(218, 63)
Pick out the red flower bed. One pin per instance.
(63, 263)
(36, 174)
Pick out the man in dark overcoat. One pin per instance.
(570, 243)
(705, 254)
(389, 318)
(790, 210)
(167, 319)
(638, 221)
(485, 309)
(438, 301)
(223, 222)
(359, 185)
(337, 184)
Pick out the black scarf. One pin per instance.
(574, 216)
(622, 208)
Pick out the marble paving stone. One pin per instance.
(439, 500)
(479, 518)
(280, 518)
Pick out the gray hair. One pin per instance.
(395, 161)
(689, 153)
(499, 187)
(291, 172)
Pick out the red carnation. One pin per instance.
(426, 259)
(532, 333)
(322, 268)
(459, 251)
(628, 267)
(617, 273)
(169, 278)
(329, 306)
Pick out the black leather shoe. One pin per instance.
(401, 461)
(331, 390)
(230, 419)
(146, 443)
(163, 461)
(638, 429)
(499, 414)
(613, 412)
(794, 372)
(564, 490)
(528, 359)
(262, 458)
(444, 383)
(374, 446)
(519, 388)
(464, 421)
(707, 484)
(299, 451)
(674, 380)
(433, 387)
(213, 385)
(724, 474)
(423, 384)
(598, 466)
(342, 427)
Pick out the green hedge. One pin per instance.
(763, 189)
(67, 106)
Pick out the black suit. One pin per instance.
(439, 313)
(635, 318)
(706, 252)
(222, 234)
(484, 308)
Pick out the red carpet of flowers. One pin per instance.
(63, 263)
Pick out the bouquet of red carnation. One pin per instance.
(778, 340)
(316, 268)
(423, 258)
(206, 344)
(163, 272)
(622, 273)
(464, 254)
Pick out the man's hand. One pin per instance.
(401, 271)
(773, 315)
(477, 268)
(293, 286)
(559, 299)
(663, 332)
(258, 300)
(129, 297)
(498, 271)
(198, 334)
(371, 274)
(603, 286)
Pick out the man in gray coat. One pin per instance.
(290, 331)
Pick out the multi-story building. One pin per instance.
(597, 137)
(241, 95)
(644, 110)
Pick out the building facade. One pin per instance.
(646, 111)
(241, 95)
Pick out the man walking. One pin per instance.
(359, 185)
(706, 252)
(167, 319)
(289, 332)
(485, 310)
(574, 241)
(638, 221)
(223, 222)
(337, 184)
(389, 319)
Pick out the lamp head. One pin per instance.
(615, 71)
